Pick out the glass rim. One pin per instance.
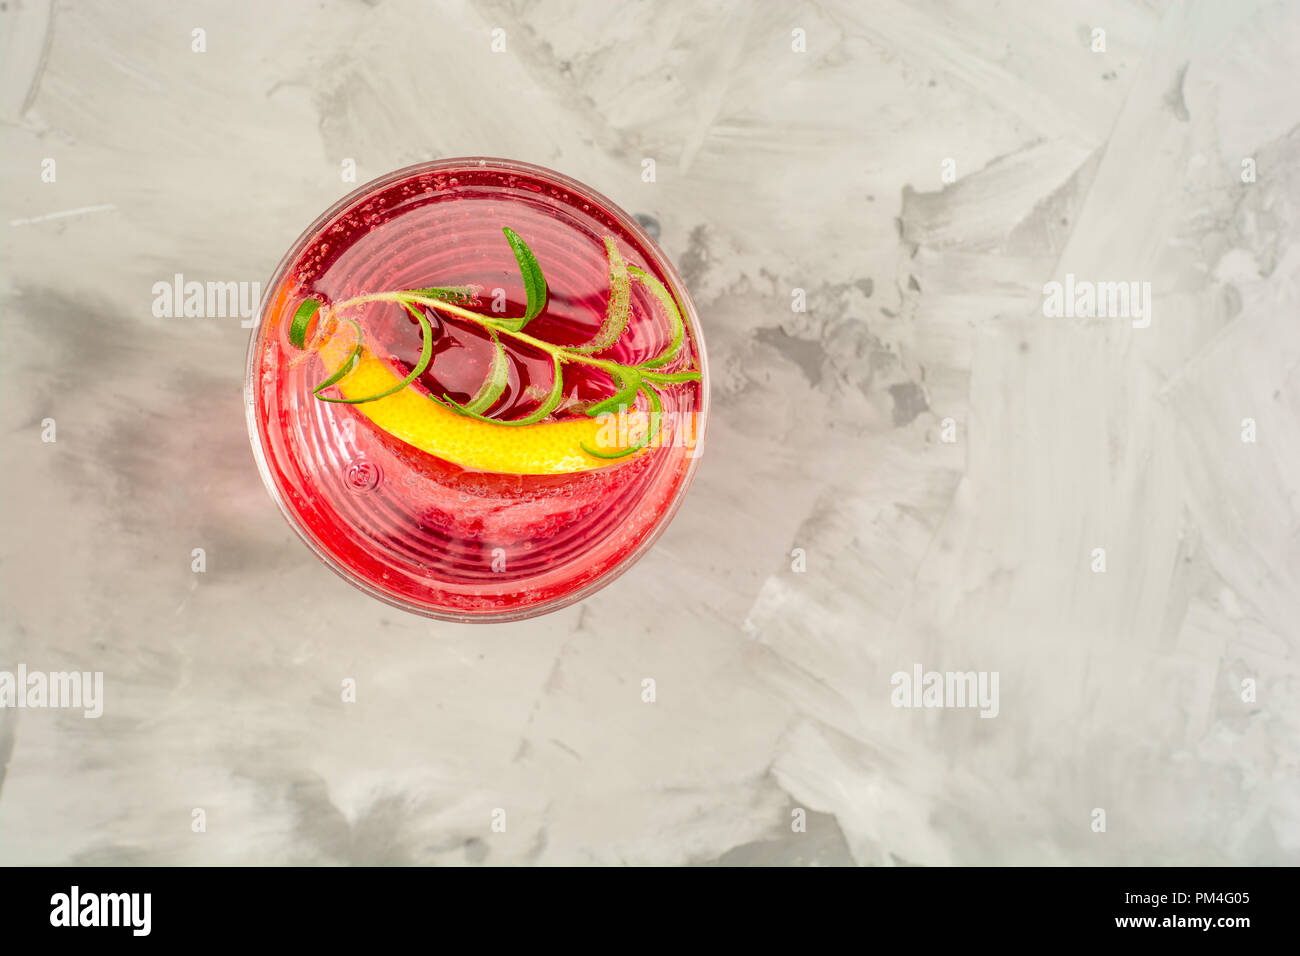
(251, 377)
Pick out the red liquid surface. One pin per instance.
(414, 529)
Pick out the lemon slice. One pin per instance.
(412, 416)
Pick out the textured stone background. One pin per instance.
(776, 170)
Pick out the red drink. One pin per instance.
(405, 518)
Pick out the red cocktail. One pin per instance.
(477, 389)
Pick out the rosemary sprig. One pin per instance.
(629, 380)
(450, 293)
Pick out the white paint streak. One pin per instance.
(64, 214)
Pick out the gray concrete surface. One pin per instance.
(918, 470)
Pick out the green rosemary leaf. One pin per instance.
(628, 380)
(551, 403)
(534, 282)
(301, 319)
(656, 407)
(426, 356)
(622, 453)
(495, 383)
(669, 306)
(619, 308)
(348, 365)
(667, 378)
(651, 393)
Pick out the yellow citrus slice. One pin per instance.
(545, 448)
